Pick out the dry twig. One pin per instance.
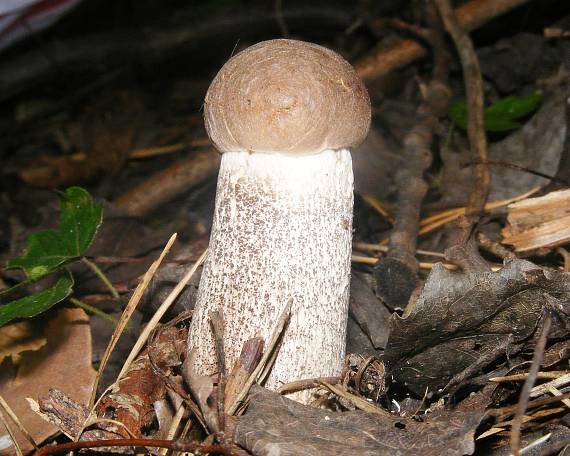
(529, 382)
(475, 103)
(169, 183)
(471, 16)
(396, 276)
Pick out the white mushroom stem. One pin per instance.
(282, 231)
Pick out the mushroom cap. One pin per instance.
(287, 96)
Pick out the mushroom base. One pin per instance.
(282, 232)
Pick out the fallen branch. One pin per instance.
(463, 250)
(396, 276)
(475, 104)
(470, 16)
(169, 183)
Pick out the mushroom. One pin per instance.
(284, 114)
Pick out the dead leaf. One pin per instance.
(461, 317)
(19, 337)
(276, 425)
(63, 363)
(202, 388)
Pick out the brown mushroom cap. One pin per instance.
(287, 96)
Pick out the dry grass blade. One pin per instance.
(385, 248)
(126, 315)
(160, 312)
(435, 221)
(310, 383)
(421, 264)
(508, 410)
(357, 401)
(377, 206)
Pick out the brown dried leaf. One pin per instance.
(276, 425)
(202, 388)
(62, 411)
(461, 317)
(63, 363)
(131, 400)
(19, 337)
(368, 311)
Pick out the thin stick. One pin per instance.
(309, 383)
(472, 15)
(271, 346)
(385, 248)
(452, 214)
(400, 265)
(377, 206)
(529, 382)
(355, 400)
(510, 409)
(422, 264)
(159, 313)
(522, 377)
(126, 315)
(474, 90)
(147, 152)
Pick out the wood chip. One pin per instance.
(539, 222)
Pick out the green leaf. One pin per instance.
(498, 123)
(458, 113)
(32, 305)
(50, 249)
(514, 107)
(500, 116)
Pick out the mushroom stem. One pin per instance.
(282, 231)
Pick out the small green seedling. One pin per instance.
(501, 116)
(51, 251)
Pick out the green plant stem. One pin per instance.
(101, 276)
(93, 310)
